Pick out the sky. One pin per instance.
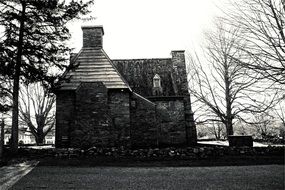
(148, 28)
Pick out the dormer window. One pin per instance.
(156, 81)
(156, 89)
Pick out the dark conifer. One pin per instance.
(33, 45)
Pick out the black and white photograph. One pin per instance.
(142, 94)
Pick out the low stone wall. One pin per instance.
(169, 153)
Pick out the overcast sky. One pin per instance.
(148, 28)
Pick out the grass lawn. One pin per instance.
(225, 177)
(226, 160)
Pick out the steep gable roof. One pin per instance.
(93, 65)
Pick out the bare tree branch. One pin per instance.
(221, 84)
(37, 110)
(262, 24)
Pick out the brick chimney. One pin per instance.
(92, 36)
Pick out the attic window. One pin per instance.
(156, 81)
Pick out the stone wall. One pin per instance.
(65, 101)
(160, 122)
(144, 128)
(191, 133)
(171, 118)
(93, 116)
(119, 108)
(91, 119)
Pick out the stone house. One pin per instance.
(130, 102)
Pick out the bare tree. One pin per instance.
(271, 123)
(264, 124)
(218, 130)
(280, 111)
(280, 115)
(262, 23)
(37, 111)
(211, 129)
(223, 87)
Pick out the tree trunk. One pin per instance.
(219, 132)
(40, 140)
(15, 111)
(229, 127)
(228, 118)
(2, 138)
(40, 136)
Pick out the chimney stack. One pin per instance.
(178, 58)
(92, 36)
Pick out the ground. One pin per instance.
(224, 177)
(260, 168)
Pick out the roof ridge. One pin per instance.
(92, 60)
(123, 79)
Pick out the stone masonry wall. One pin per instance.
(191, 133)
(144, 128)
(93, 116)
(64, 117)
(160, 121)
(179, 73)
(119, 108)
(92, 122)
(171, 118)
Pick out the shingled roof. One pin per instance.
(140, 72)
(92, 64)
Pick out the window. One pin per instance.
(156, 81)
(156, 89)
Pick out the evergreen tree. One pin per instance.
(34, 43)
